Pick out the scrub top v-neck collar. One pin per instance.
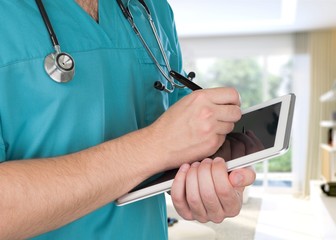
(106, 17)
(88, 15)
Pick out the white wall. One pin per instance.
(301, 87)
(237, 46)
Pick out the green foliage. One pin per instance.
(278, 164)
(243, 74)
(281, 163)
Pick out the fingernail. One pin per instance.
(207, 160)
(218, 160)
(184, 167)
(195, 164)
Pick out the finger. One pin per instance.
(228, 113)
(229, 198)
(193, 195)
(222, 95)
(242, 177)
(178, 193)
(219, 118)
(208, 193)
(224, 128)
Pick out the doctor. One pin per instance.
(69, 149)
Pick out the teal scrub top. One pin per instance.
(111, 94)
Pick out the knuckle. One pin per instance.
(234, 112)
(177, 200)
(234, 212)
(234, 94)
(188, 217)
(193, 201)
(228, 127)
(206, 112)
(237, 113)
(213, 144)
(207, 128)
(218, 218)
(185, 214)
(200, 218)
(198, 96)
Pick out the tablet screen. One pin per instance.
(262, 122)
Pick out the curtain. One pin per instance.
(321, 47)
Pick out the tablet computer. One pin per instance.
(270, 125)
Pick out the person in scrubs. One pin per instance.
(69, 150)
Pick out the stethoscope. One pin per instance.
(60, 66)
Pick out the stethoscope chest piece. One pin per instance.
(60, 66)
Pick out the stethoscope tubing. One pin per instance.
(128, 15)
(63, 71)
(47, 23)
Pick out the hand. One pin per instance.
(205, 191)
(196, 126)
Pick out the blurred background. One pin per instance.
(265, 49)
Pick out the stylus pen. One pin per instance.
(185, 81)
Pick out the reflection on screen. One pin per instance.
(263, 122)
(254, 132)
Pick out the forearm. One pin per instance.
(43, 194)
